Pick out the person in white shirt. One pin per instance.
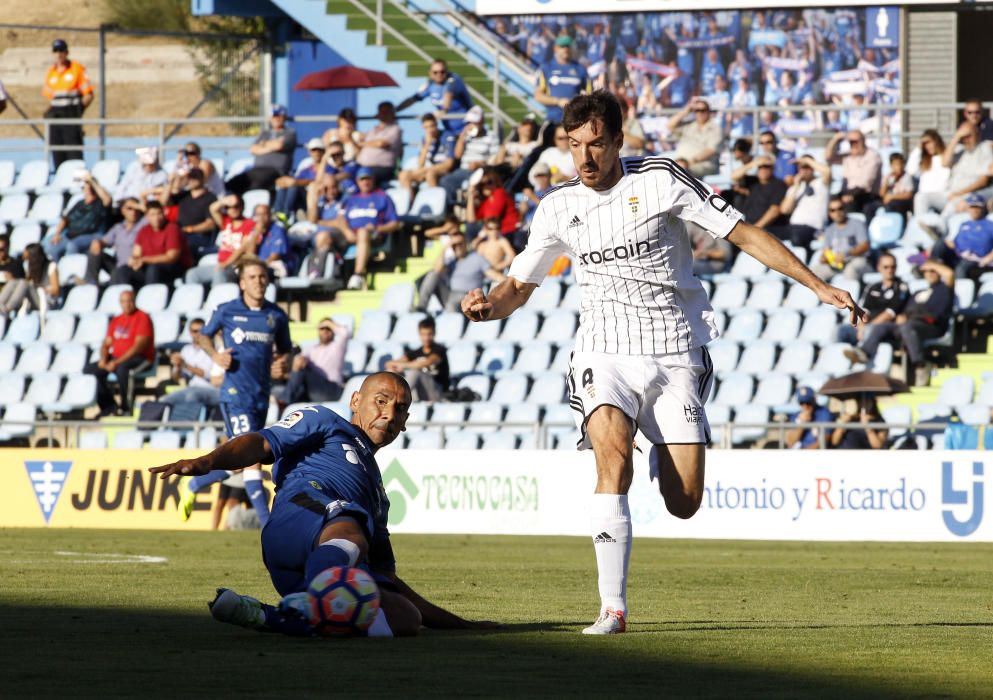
(559, 159)
(806, 203)
(640, 360)
(194, 364)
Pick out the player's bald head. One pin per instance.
(380, 407)
(376, 380)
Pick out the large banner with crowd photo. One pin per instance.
(770, 58)
(547, 7)
(927, 496)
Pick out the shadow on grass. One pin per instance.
(127, 653)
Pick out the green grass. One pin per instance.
(708, 619)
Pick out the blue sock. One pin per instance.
(286, 621)
(257, 495)
(199, 483)
(329, 554)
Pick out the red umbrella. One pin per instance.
(344, 78)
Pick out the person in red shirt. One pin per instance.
(489, 200)
(160, 253)
(237, 238)
(128, 349)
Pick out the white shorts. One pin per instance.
(663, 395)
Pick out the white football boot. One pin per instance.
(610, 622)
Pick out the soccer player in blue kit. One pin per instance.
(252, 327)
(330, 508)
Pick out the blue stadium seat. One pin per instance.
(957, 390)
(831, 360)
(729, 294)
(352, 384)
(559, 325)
(985, 396)
(885, 230)
(164, 440)
(546, 297)
(81, 299)
(484, 417)
(46, 209)
(448, 327)
(446, 412)
(70, 359)
(220, 294)
(24, 329)
(496, 356)
(499, 441)
(91, 329)
(12, 387)
(758, 357)
(736, 389)
(14, 207)
(800, 298)
(461, 440)
(974, 414)
(548, 387)
(107, 172)
(45, 387)
(166, 326)
(398, 298)
(429, 439)
(18, 420)
(8, 356)
(64, 179)
(965, 293)
(749, 413)
(71, 267)
(79, 392)
(954, 223)
(253, 198)
(375, 326)
(356, 357)
(8, 171)
(417, 416)
(883, 359)
(59, 327)
(820, 325)
(479, 383)
(573, 298)
(33, 174)
(900, 416)
(92, 440)
(405, 331)
(560, 362)
(527, 415)
(745, 267)
(186, 299)
(724, 354)
(782, 326)
(485, 332)
(152, 297)
(401, 199)
(429, 204)
(129, 440)
(381, 354)
(522, 327)
(796, 357)
(22, 236)
(204, 439)
(510, 389)
(559, 417)
(745, 326)
(462, 357)
(110, 301)
(535, 357)
(774, 390)
(719, 417)
(933, 412)
(766, 295)
(239, 166)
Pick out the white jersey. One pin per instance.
(632, 256)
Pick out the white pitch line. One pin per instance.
(111, 558)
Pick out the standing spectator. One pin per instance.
(189, 158)
(120, 238)
(784, 166)
(80, 225)
(143, 178)
(699, 141)
(273, 151)
(69, 93)
(364, 220)
(291, 190)
(975, 115)
(558, 159)
(273, 243)
(455, 272)
(489, 200)
(860, 170)
(897, 189)
(39, 288)
(193, 211)
(762, 205)
(193, 364)
(236, 238)
(318, 372)
(845, 245)
(970, 252)
(424, 367)
(127, 350)
(344, 133)
(159, 255)
(882, 301)
(447, 94)
(806, 203)
(437, 156)
(969, 162)
(926, 316)
(382, 146)
(558, 81)
(803, 437)
(861, 437)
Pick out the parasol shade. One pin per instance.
(862, 383)
(344, 78)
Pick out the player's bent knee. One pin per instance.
(403, 616)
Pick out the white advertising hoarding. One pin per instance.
(763, 495)
(566, 7)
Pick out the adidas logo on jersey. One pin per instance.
(575, 222)
(603, 538)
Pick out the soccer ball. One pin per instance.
(344, 600)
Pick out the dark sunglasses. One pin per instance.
(325, 328)
(336, 154)
(971, 112)
(855, 142)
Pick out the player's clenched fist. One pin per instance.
(475, 306)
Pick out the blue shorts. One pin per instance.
(239, 419)
(299, 514)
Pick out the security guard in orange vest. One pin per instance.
(69, 92)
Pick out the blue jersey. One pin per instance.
(250, 334)
(975, 239)
(562, 80)
(443, 148)
(363, 209)
(460, 104)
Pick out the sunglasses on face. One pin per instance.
(855, 142)
(325, 328)
(836, 209)
(337, 154)
(972, 112)
(194, 331)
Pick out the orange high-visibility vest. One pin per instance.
(65, 87)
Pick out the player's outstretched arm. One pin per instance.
(438, 618)
(503, 300)
(237, 453)
(770, 251)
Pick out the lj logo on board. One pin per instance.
(951, 496)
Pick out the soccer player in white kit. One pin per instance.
(640, 359)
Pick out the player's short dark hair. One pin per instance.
(426, 322)
(428, 117)
(600, 104)
(769, 133)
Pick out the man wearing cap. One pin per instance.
(69, 93)
(699, 141)
(446, 92)
(806, 203)
(558, 81)
(273, 151)
(143, 179)
(291, 190)
(364, 220)
(382, 146)
(474, 148)
(970, 251)
(803, 437)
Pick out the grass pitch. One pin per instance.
(95, 613)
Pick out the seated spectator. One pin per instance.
(10, 268)
(515, 150)
(127, 350)
(926, 316)
(698, 141)
(193, 365)
(437, 157)
(634, 134)
(861, 437)
(558, 158)
(474, 148)
(710, 255)
(860, 169)
(806, 203)
(765, 194)
(159, 254)
(236, 239)
(317, 373)
(846, 244)
(882, 301)
(273, 244)
(273, 151)
(424, 367)
(334, 167)
(291, 190)
(803, 437)
(382, 146)
(188, 159)
(494, 246)
(784, 165)
(193, 217)
(39, 287)
(896, 193)
(456, 272)
(317, 263)
(975, 114)
(364, 220)
(450, 226)
(80, 225)
(488, 199)
(344, 133)
(143, 177)
(925, 165)
(969, 162)
(741, 157)
(120, 239)
(540, 181)
(970, 252)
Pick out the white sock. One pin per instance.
(611, 525)
(380, 627)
